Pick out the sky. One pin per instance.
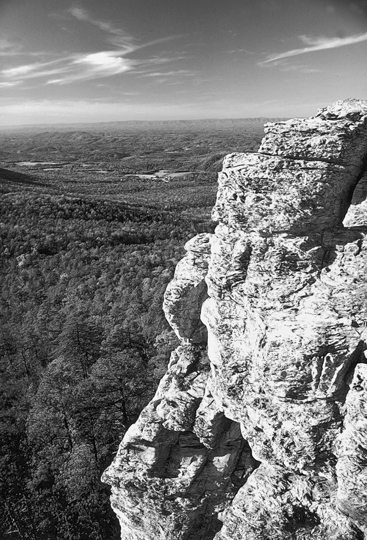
(111, 60)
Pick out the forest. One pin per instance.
(87, 248)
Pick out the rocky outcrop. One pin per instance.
(258, 429)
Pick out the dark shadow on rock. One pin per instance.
(333, 238)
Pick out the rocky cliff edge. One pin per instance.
(258, 430)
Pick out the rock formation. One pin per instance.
(258, 430)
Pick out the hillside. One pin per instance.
(86, 254)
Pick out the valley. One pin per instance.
(93, 223)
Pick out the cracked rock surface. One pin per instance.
(258, 430)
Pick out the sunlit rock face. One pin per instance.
(258, 430)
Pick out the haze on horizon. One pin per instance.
(84, 61)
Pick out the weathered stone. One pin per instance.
(187, 291)
(166, 483)
(275, 504)
(264, 437)
(352, 453)
(357, 213)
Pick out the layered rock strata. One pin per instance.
(258, 429)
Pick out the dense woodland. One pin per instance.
(86, 253)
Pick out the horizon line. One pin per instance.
(183, 120)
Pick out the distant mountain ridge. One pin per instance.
(212, 123)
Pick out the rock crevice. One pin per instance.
(257, 430)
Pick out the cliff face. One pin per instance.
(258, 430)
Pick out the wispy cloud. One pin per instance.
(8, 84)
(116, 36)
(297, 68)
(234, 51)
(72, 68)
(8, 48)
(175, 73)
(317, 44)
(86, 66)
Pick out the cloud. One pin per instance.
(35, 70)
(233, 51)
(104, 61)
(79, 67)
(87, 66)
(79, 13)
(175, 73)
(5, 44)
(72, 68)
(298, 68)
(317, 44)
(95, 65)
(8, 84)
(115, 36)
(9, 48)
(21, 70)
